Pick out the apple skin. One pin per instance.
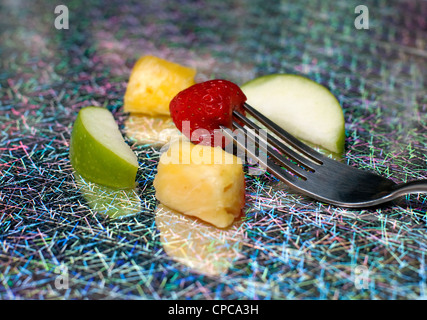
(96, 162)
(287, 94)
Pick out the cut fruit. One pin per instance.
(200, 110)
(301, 106)
(201, 181)
(98, 151)
(153, 83)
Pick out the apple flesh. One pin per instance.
(304, 108)
(98, 151)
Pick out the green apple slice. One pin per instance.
(98, 151)
(304, 108)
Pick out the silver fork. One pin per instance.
(311, 173)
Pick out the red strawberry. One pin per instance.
(200, 110)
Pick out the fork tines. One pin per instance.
(281, 154)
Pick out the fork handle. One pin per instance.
(416, 186)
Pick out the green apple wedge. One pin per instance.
(301, 106)
(99, 152)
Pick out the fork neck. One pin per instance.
(416, 186)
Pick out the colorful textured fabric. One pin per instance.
(56, 241)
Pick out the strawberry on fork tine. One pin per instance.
(202, 109)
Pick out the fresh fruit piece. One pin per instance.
(150, 130)
(107, 201)
(200, 110)
(153, 83)
(98, 151)
(301, 106)
(201, 181)
(201, 246)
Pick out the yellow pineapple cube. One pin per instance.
(201, 181)
(153, 83)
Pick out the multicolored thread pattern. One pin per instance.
(287, 246)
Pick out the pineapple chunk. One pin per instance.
(201, 181)
(153, 83)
